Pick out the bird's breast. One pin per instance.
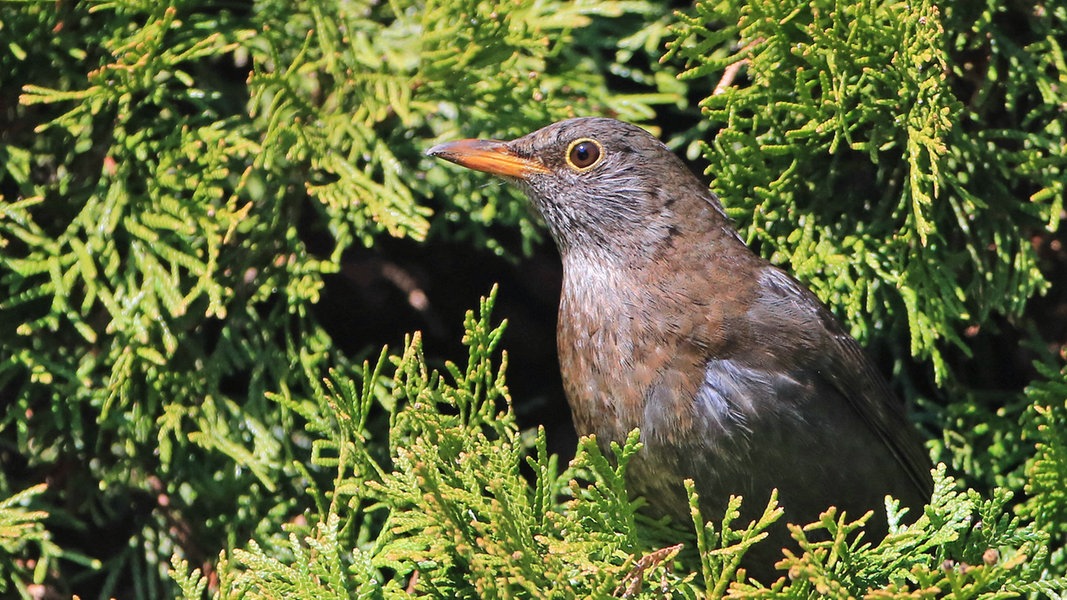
(596, 341)
(620, 338)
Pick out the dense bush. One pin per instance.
(213, 216)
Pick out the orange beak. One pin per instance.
(489, 156)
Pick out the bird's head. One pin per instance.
(601, 185)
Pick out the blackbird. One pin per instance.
(735, 373)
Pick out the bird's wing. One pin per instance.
(814, 336)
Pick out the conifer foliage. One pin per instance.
(180, 183)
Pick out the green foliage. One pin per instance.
(963, 546)
(848, 149)
(21, 529)
(355, 102)
(180, 183)
(1046, 469)
(720, 554)
(452, 516)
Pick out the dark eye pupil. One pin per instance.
(584, 154)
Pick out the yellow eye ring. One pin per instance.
(584, 154)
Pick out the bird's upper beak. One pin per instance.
(490, 156)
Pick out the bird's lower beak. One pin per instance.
(489, 156)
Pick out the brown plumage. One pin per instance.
(736, 374)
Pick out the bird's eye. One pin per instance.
(583, 154)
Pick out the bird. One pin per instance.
(735, 373)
